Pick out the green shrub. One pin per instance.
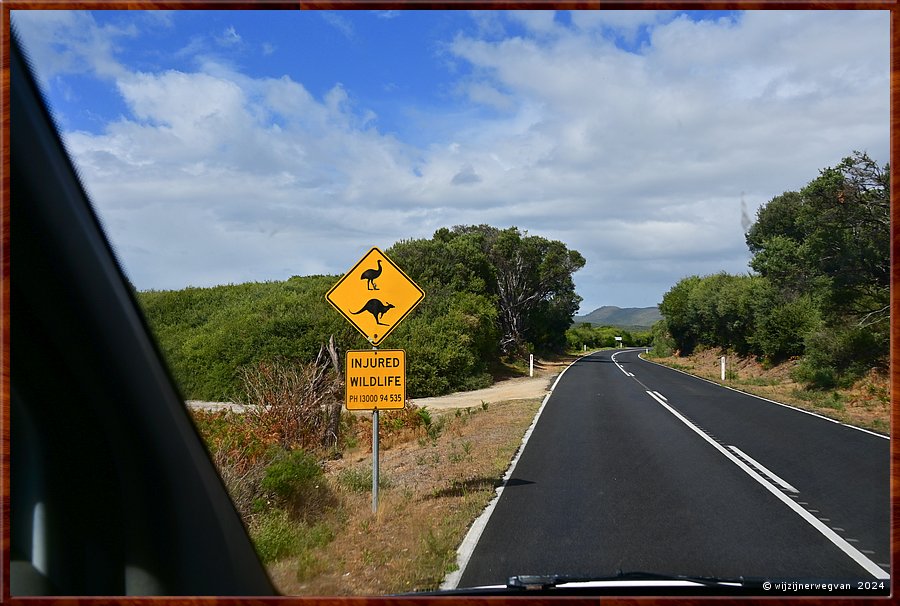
(781, 331)
(425, 416)
(292, 477)
(276, 536)
(837, 356)
(663, 343)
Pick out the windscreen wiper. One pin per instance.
(553, 581)
(639, 583)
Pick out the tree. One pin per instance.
(681, 320)
(529, 278)
(535, 292)
(822, 282)
(832, 238)
(826, 251)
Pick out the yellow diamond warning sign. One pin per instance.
(375, 296)
(376, 379)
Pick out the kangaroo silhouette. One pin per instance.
(371, 275)
(376, 308)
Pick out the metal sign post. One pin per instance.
(375, 461)
(375, 455)
(374, 296)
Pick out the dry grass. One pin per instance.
(299, 404)
(318, 534)
(866, 404)
(436, 485)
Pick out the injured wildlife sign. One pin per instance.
(375, 296)
(376, 379)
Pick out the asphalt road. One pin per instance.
(636, 467)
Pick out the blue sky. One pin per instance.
(223, 147)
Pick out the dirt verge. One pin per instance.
(436, 484)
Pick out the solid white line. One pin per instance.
(753, 395)
(765, 470)
(839, 542)
(867, 431)
(470, 541)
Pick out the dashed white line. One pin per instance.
(765, 470)
(752, 395)
(845, 546)
(619, 366)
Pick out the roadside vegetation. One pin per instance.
(865, 403)
(304, 490)
(299, 467)
(492, 296)
(585, 336)
(817, 300)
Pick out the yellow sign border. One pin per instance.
(397, 322)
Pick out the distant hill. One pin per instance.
(628, 317)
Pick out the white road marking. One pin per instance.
(619, 366)
(870, 566)
(765, 470)
(878, 435)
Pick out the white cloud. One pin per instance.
(229, 37)
(339, 23)
(537, 22)
(466, 176)
(639, 160)
(63, 42)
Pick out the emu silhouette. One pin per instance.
(371, 275)
(376, 308)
